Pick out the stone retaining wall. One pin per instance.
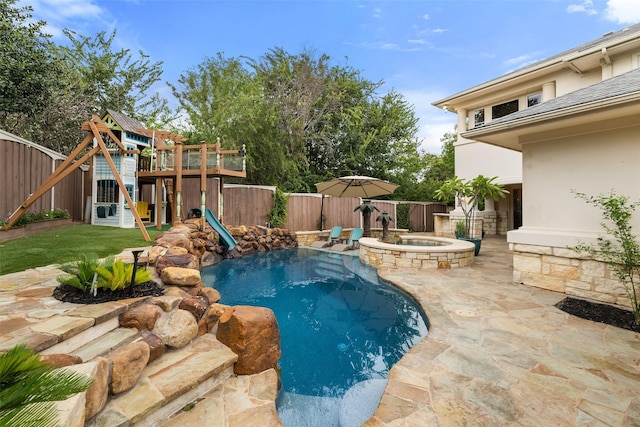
(457, 254)
(563, 270)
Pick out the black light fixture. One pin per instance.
(136, 254)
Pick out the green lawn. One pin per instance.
(68, 244)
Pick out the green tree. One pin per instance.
(28, 71)
(114, 78)
(302, 118)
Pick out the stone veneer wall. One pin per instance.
(492, 223)
(378, 255)
(563, 270)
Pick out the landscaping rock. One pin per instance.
(166, 303)
(176, 328)
(97, 394)
(253, 334)
(156, 346)
(61, 360)
(195, 305)
(181, 276)
(142, 317)
(175, 237)
(127, 365)
(175, 291)
(212, 295)
(183, 261)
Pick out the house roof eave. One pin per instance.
(510, 134)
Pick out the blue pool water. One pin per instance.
(341, 327)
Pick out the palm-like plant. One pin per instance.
(385, 219)
(467, 194)
(28, 388)
(366, 208)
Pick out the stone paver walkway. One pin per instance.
(501, 354)
(497, 353)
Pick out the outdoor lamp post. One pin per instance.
(136, 254)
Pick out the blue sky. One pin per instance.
(424, 49)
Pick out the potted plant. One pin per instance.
(385, 219)
(467, 194)
(460, 230)
(366, 208)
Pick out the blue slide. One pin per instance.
(226, 237)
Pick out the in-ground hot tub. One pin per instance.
(417, 251)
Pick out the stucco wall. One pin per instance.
(479, 158)
(593, 163)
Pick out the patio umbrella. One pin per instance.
(353, 186)
(356, 186)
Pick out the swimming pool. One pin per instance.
(341, 328)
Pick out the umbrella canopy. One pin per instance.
(356, 186)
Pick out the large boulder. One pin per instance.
(253, 334)
(128, 362)
(180, 276)
(176, 328)
(142, 317)
(183, 261)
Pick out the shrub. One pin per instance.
(622, 254)
(33, 216)
(28, 388)
(109, 274)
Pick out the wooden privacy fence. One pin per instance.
(251, 204)
(24, 166)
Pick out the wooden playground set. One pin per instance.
(124, 156)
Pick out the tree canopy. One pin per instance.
(303, 117)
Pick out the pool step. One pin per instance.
(247, 400)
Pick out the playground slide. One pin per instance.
(226, 237)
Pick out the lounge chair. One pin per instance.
(352, 243)
(334, 238)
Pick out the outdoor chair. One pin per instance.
(352, 243)
(143, 210)
(334, 238)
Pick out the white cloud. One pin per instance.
(425, 16)
(623, 11)
(585, 7)
(77, 15)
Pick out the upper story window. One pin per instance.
(534, 99)
(478, 117)
(504, 109)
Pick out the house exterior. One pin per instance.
(567, 123)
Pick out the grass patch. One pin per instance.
(68, 244)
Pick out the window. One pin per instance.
(534, 99)
(504, 109)
(107, 191)
(478, 116)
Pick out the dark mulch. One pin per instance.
(68, 293)
(597, 312)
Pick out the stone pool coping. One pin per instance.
(455, 254)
